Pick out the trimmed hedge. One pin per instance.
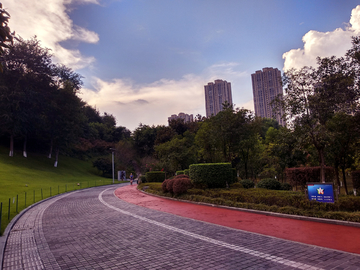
(211, 175)
(155, 176)
(179, 172)
(187, 172)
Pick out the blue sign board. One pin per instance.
(321, 192)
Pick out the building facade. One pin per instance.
(266, 84)
(215, 96)
(184, 116)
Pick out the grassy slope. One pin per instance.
(19, 175)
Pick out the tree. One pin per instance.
(144, 140)
(25, 83)
(179, 153)
(6, 37)
(314, 95)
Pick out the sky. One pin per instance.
(144, 60)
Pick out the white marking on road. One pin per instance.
(255, 253)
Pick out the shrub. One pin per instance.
(300, 176)
(181, 185)
(355, 177)
(236, 185)
(155, 176)
(142, 179)
(211, 175)
(269, 183)
(179, 172)
(286, 186)
(186, 172)
(169, 185)
(247, 183)
(163, 186)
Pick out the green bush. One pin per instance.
(211, 175)
(269, 183)
(155, 176)
(286, 186)
(142, 179)
(236, 185)
(187, 172)
(247, 183)
(179, 172)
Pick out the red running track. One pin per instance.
(337, 237)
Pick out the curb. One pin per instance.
(305, 218)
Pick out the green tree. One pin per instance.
(314, 95)
(179, 153)
(6, 37)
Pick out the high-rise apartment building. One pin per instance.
(184, 116)
(266, 87)
(215, 96)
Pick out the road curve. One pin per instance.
(94, 229)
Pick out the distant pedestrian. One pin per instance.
(131, 178)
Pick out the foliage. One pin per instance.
(155, 176)
(104, 165)
(286, 186)
(247, 183)
(181, 185)
(355, 176)
(142, 179)
(179, 172)
(187, 172)
(211, 175)
(178, 153)
(269, 183)
(286, 202)
(300, 176)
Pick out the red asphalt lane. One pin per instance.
(339, 237)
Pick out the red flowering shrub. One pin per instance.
(169, 185)
(163, 186)
(181, 185)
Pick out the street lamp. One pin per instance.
(112, 154)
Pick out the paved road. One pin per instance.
(93, 229)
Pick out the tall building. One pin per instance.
(184, 116)
(266, 87)
(215, 96)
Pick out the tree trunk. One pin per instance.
(344, 179)
(56, 158)
(322, 165)
(24, 149)
(51, 148)
(11, 154)
(336, 165)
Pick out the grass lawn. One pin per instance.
(24, 181)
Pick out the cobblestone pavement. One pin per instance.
(93, 229)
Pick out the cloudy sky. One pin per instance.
(144, 60)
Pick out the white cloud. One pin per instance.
(49, 21)
(148, 104)
(153, 103)
(322, 44)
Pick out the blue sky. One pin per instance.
(144, 60)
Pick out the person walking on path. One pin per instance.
(131, 178)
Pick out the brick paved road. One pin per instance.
(93, 229)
